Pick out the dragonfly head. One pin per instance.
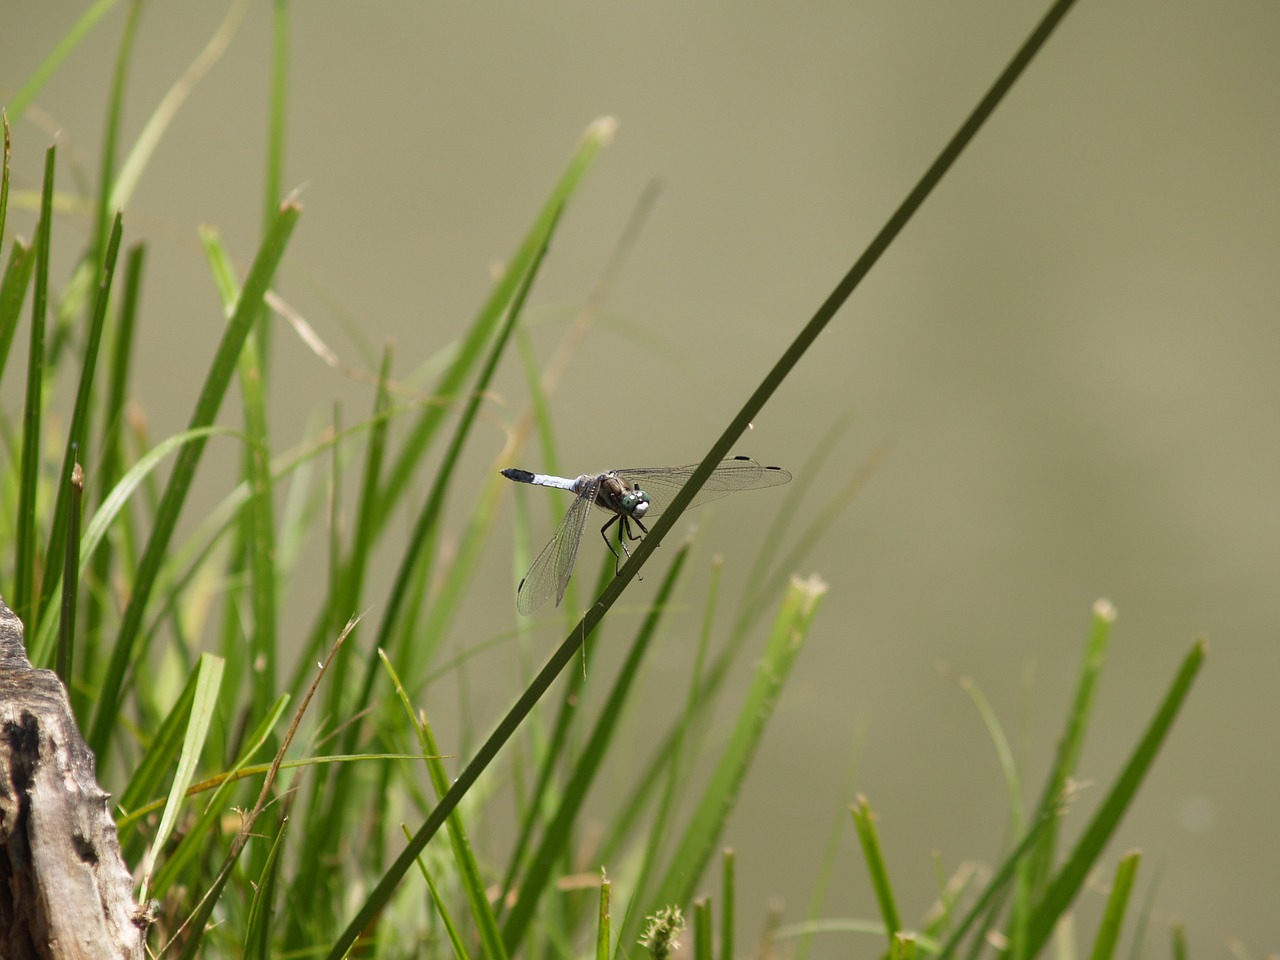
(635, 503)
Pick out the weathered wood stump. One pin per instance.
(64, 888)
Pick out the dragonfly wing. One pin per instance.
(663, 483)
(549, 575)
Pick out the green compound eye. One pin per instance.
(635, 503)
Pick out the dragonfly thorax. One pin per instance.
(615, 496)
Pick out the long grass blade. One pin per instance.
(13, 290)
(210, 399)
(154, 129)
(554, 842)
(259, 923)
(204, 701)
(597, 136)
(111, 131)
(24, 580)
(78, 432)
(675, 774)
(70, 583)
(1104, 947)
(1067, 883)
(877, 869)
(258, 528)
(71, 39)
(695, 848)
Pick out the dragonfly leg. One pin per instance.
(604, 532)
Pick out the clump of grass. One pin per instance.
(260, 797)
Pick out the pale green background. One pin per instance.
(1073, 347)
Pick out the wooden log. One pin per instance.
(65, 891)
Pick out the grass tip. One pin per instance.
(603, 129)
(1103, 609)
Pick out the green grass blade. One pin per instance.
(727, 914)
(469, 878)
(13, 290)
(78, 432)
(695, 848)
(602, 922)
(676, 775)
(1004, 753)
(195, 730)
(1067, 883)
(107, 512)
(277, 102)
(989, 901)
(109, 461)
(702, 928)
(205, 831)
(425, 642)
(555, 840)
(27, 93)
(210, 399)
(1071, 742)
(258, 925)
(877, 869)
(1104, 947)
(446, 917)
(273, 171)
(24, 580)
(413, 563)
(4, 184)
(160, 757)
(154, 129)
(258, 528)
(67, 635)
(594, 140)
(111, 131)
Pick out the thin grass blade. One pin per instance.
(695, 848)
(210, 399)
(554, 845)
(78, 431)
(24, 563)
(469, 878)
(204, 702)
(71, 39)
(877, 869)
(1104, 947)
(1067, 883)
(259, 923)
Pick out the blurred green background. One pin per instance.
(1073, 348)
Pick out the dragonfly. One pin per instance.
(630, 495)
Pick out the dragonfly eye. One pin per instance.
(635, 503)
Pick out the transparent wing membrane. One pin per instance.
(549, 575)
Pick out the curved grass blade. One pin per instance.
(1071, 877)
(694, 849)
(204, 701)
(1104, 947)
(35, 83)
(258, 523)
(77, 433)
(555, 840)
(597, 136)
(877, 869)
(210, 399)
(13, 290)
(24, 562)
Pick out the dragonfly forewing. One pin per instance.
(663, 483)
(549, 575)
